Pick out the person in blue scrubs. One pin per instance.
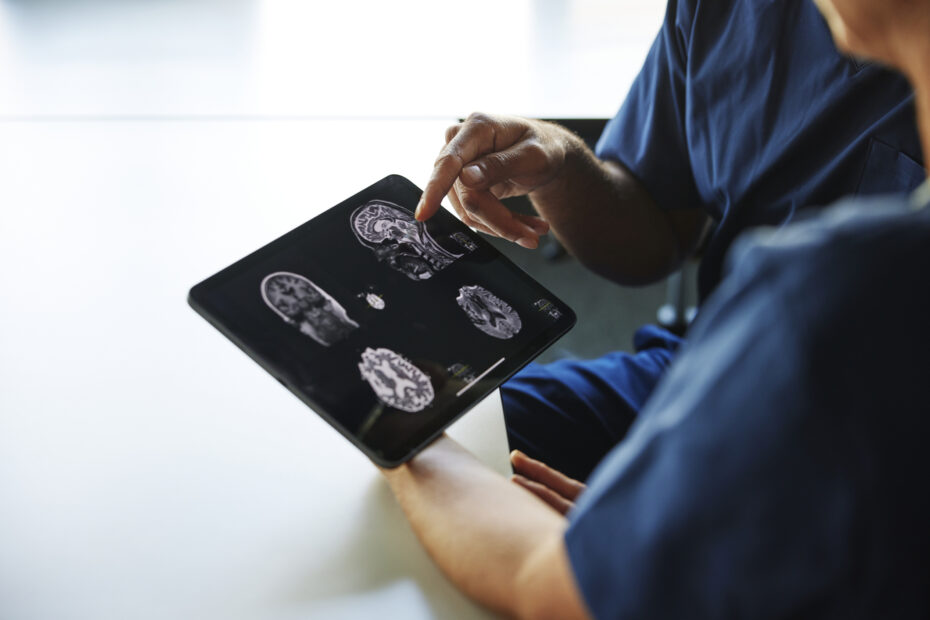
(744, 115)
(779, 469)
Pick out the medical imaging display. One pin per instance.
(387, 327)
(489, 313)
(302, 304)
(401, 242)
(395, 380)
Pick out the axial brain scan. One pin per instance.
(395, 380)
(489, 313)
(399, 240)
(306, 306)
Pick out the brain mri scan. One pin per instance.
(395, 380)
(306, 306)
(399, 241)
(489, 313)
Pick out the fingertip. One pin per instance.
(536, 224)
(523, 481)
(528, 242)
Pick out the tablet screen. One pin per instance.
(387, 327)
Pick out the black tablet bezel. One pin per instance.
(199, 300)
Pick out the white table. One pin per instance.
(148, 469)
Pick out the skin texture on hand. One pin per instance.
(546, 483)
(599, 211)
(486, 159)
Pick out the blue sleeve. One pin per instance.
(648, 134)
(779, 470)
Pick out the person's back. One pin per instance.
(780, 468)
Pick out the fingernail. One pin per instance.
(472, 175)
(527, 242)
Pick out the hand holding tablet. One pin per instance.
(389, 328)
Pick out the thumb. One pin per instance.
(521, 160)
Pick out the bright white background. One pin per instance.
(148, 469)
(389, 59)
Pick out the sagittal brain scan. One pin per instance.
(399, 241)
(307, 307)
(395, 380)
(489, 313)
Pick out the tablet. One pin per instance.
(389, 328)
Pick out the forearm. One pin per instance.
(483, 531)
(607, 219)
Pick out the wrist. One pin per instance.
(437, 455)
(568, 151)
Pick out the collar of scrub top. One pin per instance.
(921, 196)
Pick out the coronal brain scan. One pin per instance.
(306, 306)
(489, 313)
(395, 380)
(399, 241)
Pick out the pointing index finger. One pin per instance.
(473, 140)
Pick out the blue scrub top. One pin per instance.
(744, 108)
(782, 467)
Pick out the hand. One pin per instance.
(487, 158)
(549, 485)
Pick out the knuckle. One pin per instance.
(452, 130)
(482, 126)
(536, 150)
(478, 118)
(449, 156)
(495, 164)
(492, 165)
